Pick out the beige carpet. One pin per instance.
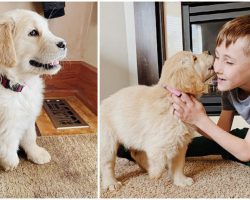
(71, 173)
(214, 178)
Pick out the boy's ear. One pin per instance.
(187, 81)
(7, 49)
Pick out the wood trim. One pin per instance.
(186, 28)
(75, 77)
(146, 43)
(160, 30)
(150, 41)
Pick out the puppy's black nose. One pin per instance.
(61, 45)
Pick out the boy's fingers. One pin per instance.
(173, 91)
(193, 98)
(178, 101)
(177, 114)
(177, 108)
(186, 98)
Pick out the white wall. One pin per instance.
(90, 50)
(118, 67)
(131, 42)
(173, 24)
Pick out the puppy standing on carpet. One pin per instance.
(27, 50)
(140, 117)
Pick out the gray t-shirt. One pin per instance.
(231, 101)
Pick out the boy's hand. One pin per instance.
(187, 108)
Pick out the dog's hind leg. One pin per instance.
(176, 169)
(108, 150)
(141, 158)
(34, 152)
(156, 163)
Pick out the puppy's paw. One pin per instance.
(155, 173)
(113, 186)
(170, 175)
(11, 163)
(39, 156)
(184, 181)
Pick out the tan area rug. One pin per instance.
(71, 173)
(214, 178)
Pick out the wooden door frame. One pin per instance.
(150, 41)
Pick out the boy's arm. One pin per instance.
(225, 122)
(191, 111)
(238, 147)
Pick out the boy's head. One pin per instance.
(232, 55)
(233, 30)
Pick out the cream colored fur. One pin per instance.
(19, 110)
(141, 119)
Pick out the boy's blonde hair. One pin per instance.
(235, 29)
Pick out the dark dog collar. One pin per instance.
(5, 82)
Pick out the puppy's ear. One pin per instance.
(7, 49)
(186, 80)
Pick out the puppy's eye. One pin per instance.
(34, 33)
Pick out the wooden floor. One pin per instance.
(77, 84)
(45, 127)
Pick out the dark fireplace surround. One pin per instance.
(209, 16)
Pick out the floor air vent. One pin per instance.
(62, 114)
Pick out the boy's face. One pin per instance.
(232, 66)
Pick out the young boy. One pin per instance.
(232, 67)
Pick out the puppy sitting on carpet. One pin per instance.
(140, 118)
(27, 50)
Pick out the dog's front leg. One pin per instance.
(34, 152)
(176, 169)
(8, 153)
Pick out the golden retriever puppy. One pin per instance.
(27, 50)
(140, 118)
